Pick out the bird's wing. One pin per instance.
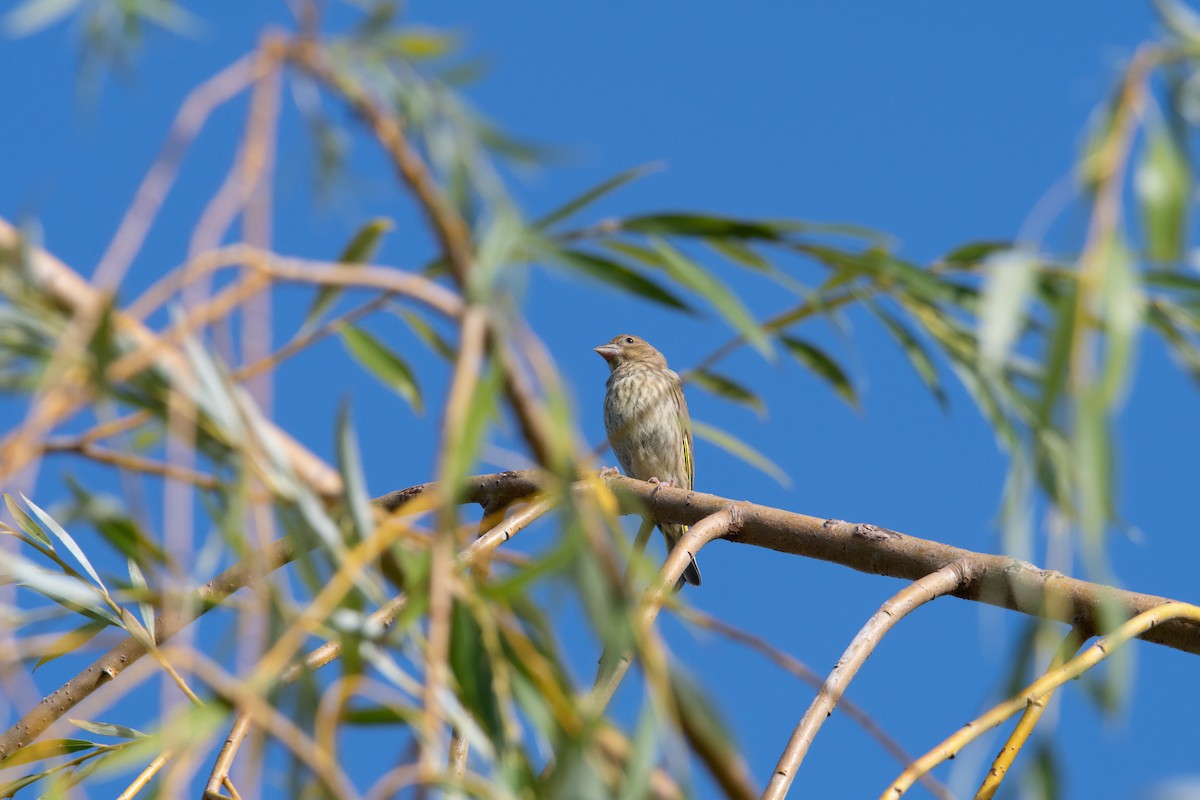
(685, 420)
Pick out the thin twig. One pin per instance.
(614, 666)
(298, 270)
(950, 578)
(1038, 690)
(219, 89)
(79, 445)
(1074, 640)
(807, 674)
(307, 338)
(383, 617)
(145, 776)
(67, 288)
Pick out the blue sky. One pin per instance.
(936, 123)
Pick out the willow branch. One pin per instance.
(451, 231)
(1038, 690)
(206, 97)
(130, 461)
(796, 667)
(71, 291)
(1025, 725)
(950, 578)
(724, 521)
(382, 617)
(999, 580)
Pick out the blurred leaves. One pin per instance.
(359, 250)
(384, 363)
(1043, 343)
(736, 447)
(1163, 181)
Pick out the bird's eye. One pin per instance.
(628, 340)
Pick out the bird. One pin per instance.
(646, 417)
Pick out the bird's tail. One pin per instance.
(691, 573)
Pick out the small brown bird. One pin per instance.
(648, 425)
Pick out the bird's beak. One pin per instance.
(607, 351)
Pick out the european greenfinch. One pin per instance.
(648, 426)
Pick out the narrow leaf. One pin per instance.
(616, 274)
(735, 446)
(67, 541)
(1008, 283)
(974, 253)
(108, 729)
(726, 388)
(34, 15)
(361, 249)
(384, 363)
(426, 333)
(27, 524)
(709, 226)
(739, 253)
(70, 642)
(692, 275)
(1163, 182)
(47, 748)
(138, 581)
(914, 348)
(595, 193)
(824, 366)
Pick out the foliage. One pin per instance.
(1043, 342)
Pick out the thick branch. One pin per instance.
(999, 580)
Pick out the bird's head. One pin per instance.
(629, 349)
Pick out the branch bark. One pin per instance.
(1000, 580)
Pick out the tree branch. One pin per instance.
(999, 580)
(947, 579)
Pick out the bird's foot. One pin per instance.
(609, 472)
(669, 484)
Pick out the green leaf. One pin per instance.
(471, 666)
(34, 15)
(616, 274)
(692, 275)
(824, 366)
(67, 541)
(595, 193)
(707, 733)
(360, 250)
(70, 641)
(118, 529)
(108, 729)
(419, 43)
(354, 483)
(1180, 20)
(739, 253)
(1058, 352)
(383, 363)
(726, 388)
(425, 332)
(138, 581)
(735, 446)
(1008, 283)
(709, 226)
(916, 351)
(643, 751)
(47, 748)
(973, 253)
(482, 408)
(1124, 309)
(31, 528)
(1163, 182)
